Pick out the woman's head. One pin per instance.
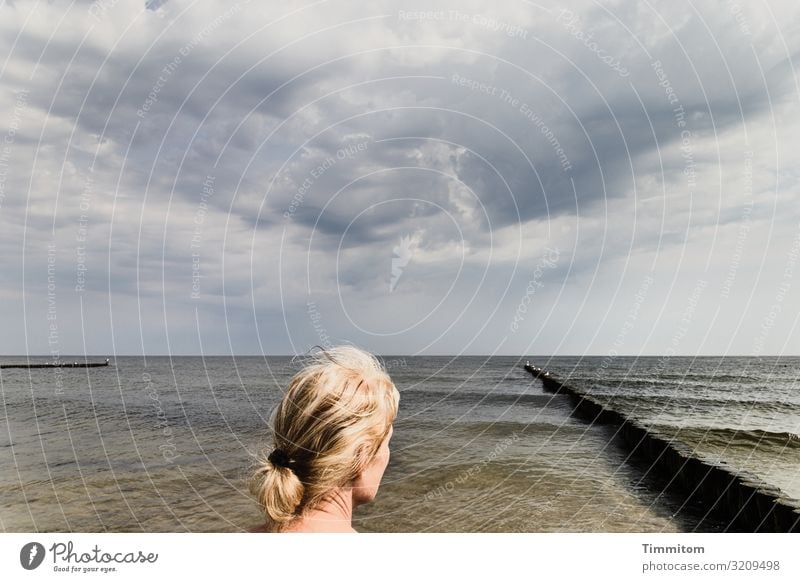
(331, 429)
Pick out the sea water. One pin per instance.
(166, 444)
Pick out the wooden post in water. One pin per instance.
(743, 501)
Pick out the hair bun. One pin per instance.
(279, 458)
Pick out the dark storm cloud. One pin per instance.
(374, 145)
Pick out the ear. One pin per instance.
(362, 457)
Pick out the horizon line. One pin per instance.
(107, 355)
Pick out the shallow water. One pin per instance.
(164, 444)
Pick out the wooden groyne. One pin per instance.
(58, 365)
(743, 501)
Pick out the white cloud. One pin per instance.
(542, 143)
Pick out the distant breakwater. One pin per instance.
(56, 365)
(743, 501)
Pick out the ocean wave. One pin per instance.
(693, 402)
(659, 382)
(482, 397)
(732, 437)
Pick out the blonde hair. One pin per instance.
(330, 424)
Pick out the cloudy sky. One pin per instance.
(481, 178)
